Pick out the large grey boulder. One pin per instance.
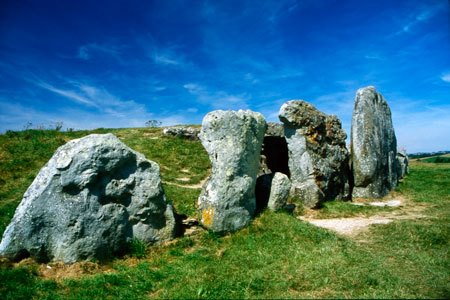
(318, 157)
(373, 145)
(233, 141)
(92, 197)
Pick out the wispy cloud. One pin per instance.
(69, 94)
(446, 76)
(86, 52)
(14, 116)
(217, 99)
(168, 56)
(164, 59)
(95, 97)
(423, 14)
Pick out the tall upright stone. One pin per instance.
(318, 157)
(92, 197)
(402, 164)
(233, 141)
(373, 145)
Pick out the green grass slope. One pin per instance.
(277, 256)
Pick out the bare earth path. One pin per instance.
(351, 226)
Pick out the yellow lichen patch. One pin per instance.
(207, 216)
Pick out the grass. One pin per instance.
(277, 256)
(441, 159)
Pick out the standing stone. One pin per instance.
(402, 164)
(233, 141)
(318, 157)
(272, 191)
(92, 197)
(279, 191)
(373, 145)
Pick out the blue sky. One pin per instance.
(93, 64)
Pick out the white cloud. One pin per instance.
(168, 56)
(217, 99)
(69, 94)
(13, 116)
(96, 97)
(165, 60)
(446, 77)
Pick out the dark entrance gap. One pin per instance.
(276, 152)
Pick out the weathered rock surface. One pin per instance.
(373, 145)
(233, 141)
(279, 191)
(186, 132)
(274, 129)
(402, 164)
(318, 158)
(272, 191)
(93, 196)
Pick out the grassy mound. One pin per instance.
(277, 256)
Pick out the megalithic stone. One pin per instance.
(91, 198)
(233, 141)
(318, 157)
(373, 145)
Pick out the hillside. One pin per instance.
(278, 256)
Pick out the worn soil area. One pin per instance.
(187, 186)
(351, 226)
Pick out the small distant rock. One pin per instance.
(186, 132)
(402, 161)
(92, 197)
(233, 141)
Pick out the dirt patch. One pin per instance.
(354, 225)
(348, 226)
(183, 179)
(60, 270)
(188, 186)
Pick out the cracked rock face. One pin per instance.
(318, 157)
(233, 141)
(373, 145)
(92, 197)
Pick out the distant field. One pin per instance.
(444, 158)
(277, 256)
